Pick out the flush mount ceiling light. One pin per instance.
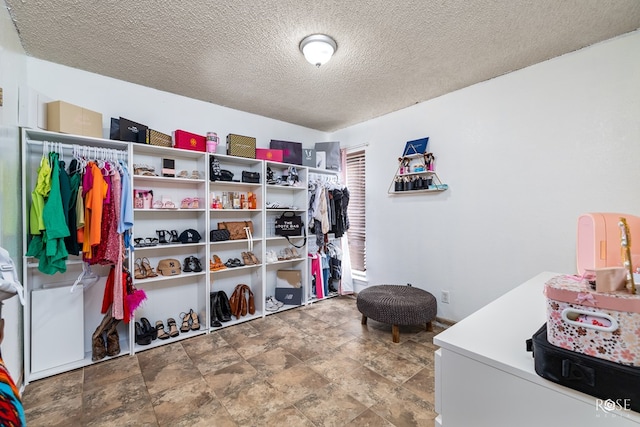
(318, 48)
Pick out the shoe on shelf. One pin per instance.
(162, 237)
(197, 267)
(148, 329)
(187, 265)
(294, 253)
(139, 272)
(195, 322)
(246, 259)
(272, 305)
(162, 334)
(185, 327)
(174, 236)
(224, 307)
(216, 312)
(216, 263)
(254, 258)
(149, 271)
(142, 338)
(173, 329)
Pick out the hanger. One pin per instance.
(86, 278)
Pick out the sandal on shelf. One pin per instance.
(246, 259)
(139, 242)
(150, 241)
(195, 322)
(139, 272)
(187, 265)
(216, 264)
(186, 203)
(161, 333)
(195, 175)
(174, 236)
(197, 267)
(254, 259)
(149, 271)
(157, 204)
(162, 236)
(182, 174)
(173, 329)
(294, 253)
(185, 322)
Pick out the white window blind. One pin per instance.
(356, 210)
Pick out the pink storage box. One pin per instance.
(189, 141)
(269, 154)
(603, 325)
(598, 240)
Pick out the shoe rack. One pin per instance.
(179, 204)
(52, 308)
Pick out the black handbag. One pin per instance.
(289, 224)
(219, 235)
(251, 177)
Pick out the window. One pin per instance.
(356, 211)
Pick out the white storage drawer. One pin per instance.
(57, 327)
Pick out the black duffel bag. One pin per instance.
(251, 177)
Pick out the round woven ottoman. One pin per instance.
(397, 305)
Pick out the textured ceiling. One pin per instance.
(244, 55)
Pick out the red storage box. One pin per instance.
(189, 141)
(269, 154)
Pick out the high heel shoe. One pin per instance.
(141, 337)
(174, 236)
(246, 259)
(255, 259)
(148, 329)
(113, 339)
(162, 334)
(195, 322)
(138, 271)
(185, 327)
(149, 271)
(173, 329)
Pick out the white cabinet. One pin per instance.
(485, 376)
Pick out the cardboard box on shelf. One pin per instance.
(289, 279)
(68, 118)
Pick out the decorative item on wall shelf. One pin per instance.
(416, 171)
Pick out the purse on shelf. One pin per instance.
(169, 267)
(219, 235)
(237, 229)
(290, 224)
(242, 301)
(142, 199)
(251, 177)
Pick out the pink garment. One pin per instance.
(316, 270)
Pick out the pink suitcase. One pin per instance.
(598, 240)
(599, 324)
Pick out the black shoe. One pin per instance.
(224, 307)
(162, 238)
(187, 265)
(197, 267)
(214, 302)
(142, 338)
(148, 329)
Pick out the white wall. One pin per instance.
(12, 76)
(524, 155)
(159, 110)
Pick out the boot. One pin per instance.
(214, 302)
(224, 313)
(98, 348)
(113, 340)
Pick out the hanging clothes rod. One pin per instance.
(72, 146)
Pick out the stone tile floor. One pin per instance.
(309, 366)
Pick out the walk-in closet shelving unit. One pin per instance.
(179, 204)
(319, 176)
(249, 274)
(59, 318)
(280, 198)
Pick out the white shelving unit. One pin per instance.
(56, 318)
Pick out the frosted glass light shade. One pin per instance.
(318, 48)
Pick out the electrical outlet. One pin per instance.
(444, 297)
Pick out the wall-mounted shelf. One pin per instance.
(412, 177)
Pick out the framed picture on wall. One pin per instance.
(417, 146)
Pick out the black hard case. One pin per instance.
(597, 377)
